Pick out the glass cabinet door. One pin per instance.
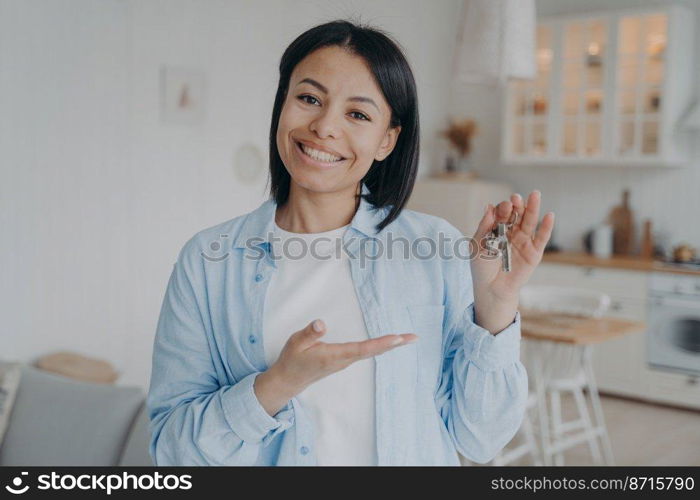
(641, 52)
(601, 94)
(530, 103)
(582, 87)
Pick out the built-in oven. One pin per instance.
(673, 336)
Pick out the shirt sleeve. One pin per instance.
(194, 420)
(483, 389)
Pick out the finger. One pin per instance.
(308, 336)
(354, 351)
(544, 232)
(518, 206)
(486, 223)
(532, 213)
(503, 211)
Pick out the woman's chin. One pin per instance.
(314, 184)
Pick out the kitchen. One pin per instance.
(108, 161)
(607, 130)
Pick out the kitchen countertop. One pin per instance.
(625, 262)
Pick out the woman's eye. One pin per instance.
(361, 115)
(305, 97)
(309, 99)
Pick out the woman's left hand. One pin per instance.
(527, 245)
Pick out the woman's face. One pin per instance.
(334, 122)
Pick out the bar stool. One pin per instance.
(558, 368)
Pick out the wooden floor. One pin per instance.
(641, 434)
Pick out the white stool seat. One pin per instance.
(568, 383)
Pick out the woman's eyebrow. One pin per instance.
(323, 89)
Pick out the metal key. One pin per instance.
(499, 240)
(503, 245)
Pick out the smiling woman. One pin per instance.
(347, 92)
(363, 358)
(328, 138)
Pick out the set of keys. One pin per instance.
(498, 241)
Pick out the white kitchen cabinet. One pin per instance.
(674, 388)
(619, 284)
(620, 364)
(610, 89)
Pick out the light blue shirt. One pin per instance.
(459, 388)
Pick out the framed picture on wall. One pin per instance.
(183, 96)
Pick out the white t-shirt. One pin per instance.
(309, 285)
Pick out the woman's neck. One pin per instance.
(312, 212)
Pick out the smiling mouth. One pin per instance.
(326, 161)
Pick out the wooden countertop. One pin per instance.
(573, 329)
(628, 262)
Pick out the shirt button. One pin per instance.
(304, 450)
(258, 278)
(251, 339)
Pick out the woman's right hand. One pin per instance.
(304, 360)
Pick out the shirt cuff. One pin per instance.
(246, 416)
(491, 352)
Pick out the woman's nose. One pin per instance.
(326, 125)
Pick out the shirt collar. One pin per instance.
(259, 224)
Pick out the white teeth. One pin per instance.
(319, 155)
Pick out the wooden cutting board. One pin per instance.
(622, 221)
(647, 245)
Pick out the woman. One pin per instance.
(365, 358)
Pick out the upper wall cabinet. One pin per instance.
(610, 89)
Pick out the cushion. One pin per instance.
(9, 383)
(57, 421)
(136, 451)
(79, 367)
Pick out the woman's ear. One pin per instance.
(388, 143)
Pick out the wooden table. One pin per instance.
(556, 342)
(573, 329)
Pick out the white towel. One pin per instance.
(496, 41)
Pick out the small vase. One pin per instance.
(464, 164)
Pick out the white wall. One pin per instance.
(97, 197)
(581, 197)
(65, 178)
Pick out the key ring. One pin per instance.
(512, 221)
(510, 224)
